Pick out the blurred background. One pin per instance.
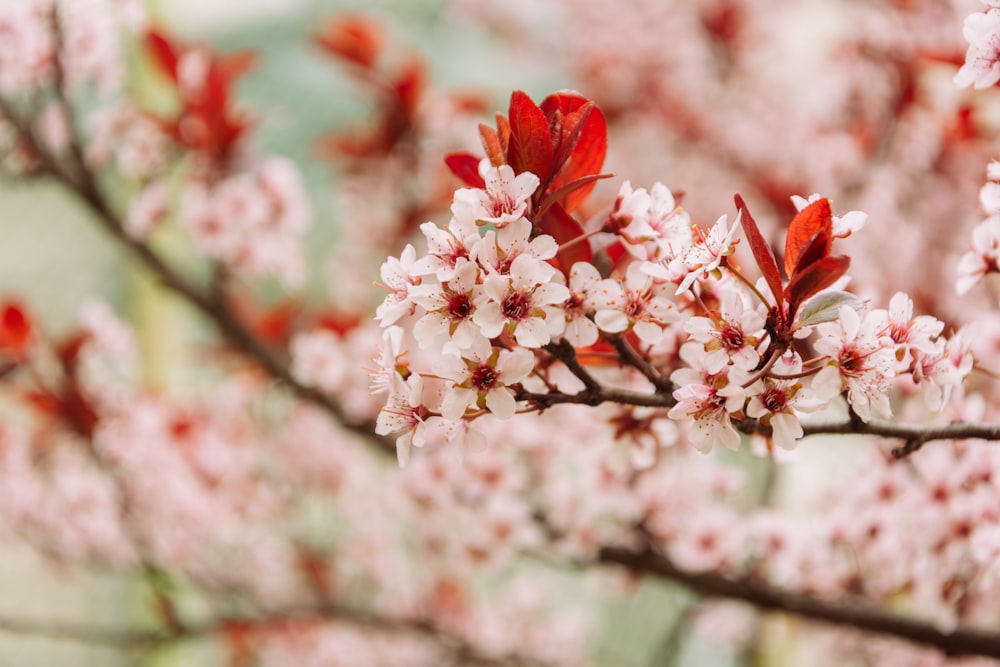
(681, 110)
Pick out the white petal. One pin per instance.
(501, 402)
(455, 403)
(612, 321)
(514, 366)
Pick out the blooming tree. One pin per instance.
(558, 361)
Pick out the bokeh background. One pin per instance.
(52, 258)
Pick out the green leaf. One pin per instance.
(826, 306)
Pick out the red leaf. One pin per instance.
(492, 145)
(813, 279)
(817, 249)
(566, 113)
(564, 228)
(15, 330)
(816, 219)
(530, 146)
(163, 52)
(409, 85)
(503, 134)
(585, 142)
(466, 167)
(761, 250)
(616, 252)
(354, 38)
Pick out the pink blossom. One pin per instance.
(497, 250)
(912, 335)
(730, 335)
(942, 368)
(399, 278)
(708, 399)
(580, 330)
(861, 362)
(406, 410)
(445, 247)
(778, 402)
(629, 219)
(449, 307)
(701, 258)
(505, 199)
(481, 376)
(982, 60)
(984, 256)
(522, 303)
(639, 302)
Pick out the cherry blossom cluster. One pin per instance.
(487, 302)
(881, 132)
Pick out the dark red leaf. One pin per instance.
(530, 146)
(163, 52)
(761, 250)
(585, 142)
(566, 113)
(815, 219)
(813, 279)
(564, 228)
(815, 250)
(466, 167)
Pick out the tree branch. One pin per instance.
(628, 355)
(462, 652)
(915, 436)
(961, 641)
(75, 177)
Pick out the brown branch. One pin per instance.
(565, 353)
(596, 396)
(915, 436)
(960, 641)
(630, 356)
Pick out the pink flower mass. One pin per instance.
(364, 368)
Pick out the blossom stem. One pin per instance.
(743, 279)
(775, 355)
(579, 239)
(796, 376)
